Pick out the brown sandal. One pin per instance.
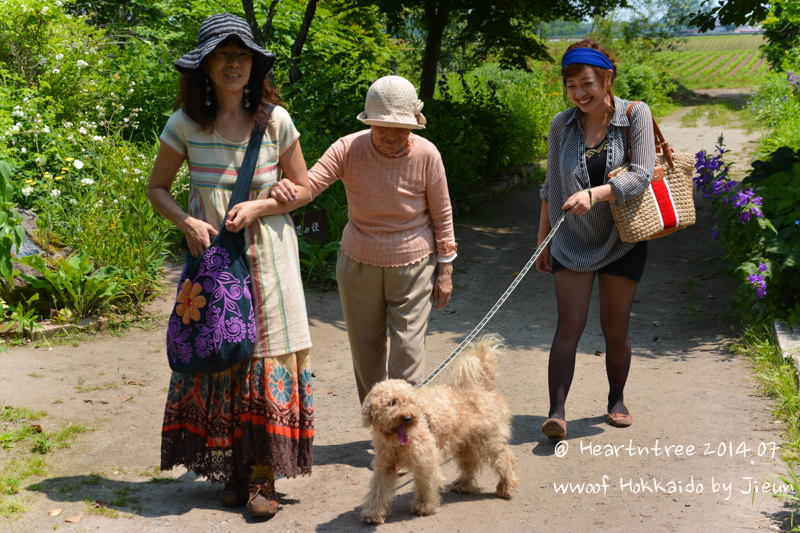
(555, 429)
(618, 420)
(263, 500)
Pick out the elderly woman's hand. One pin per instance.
(284, 191)
(443, 286)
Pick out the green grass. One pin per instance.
(24, 446)
(777, 378)
(723, 42)
(719, 69)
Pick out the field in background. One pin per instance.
(724, 62)
(714, 62)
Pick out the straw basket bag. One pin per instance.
(667, 204)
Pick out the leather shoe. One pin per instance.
(619, 420)
(555, 429)
(263, 499)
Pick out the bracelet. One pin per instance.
(591, 198)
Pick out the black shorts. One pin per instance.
(630, 265)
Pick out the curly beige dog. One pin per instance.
(418, 429)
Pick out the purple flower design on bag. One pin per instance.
(251, 327)
(221, 320)
(215, 259)
(235, 330)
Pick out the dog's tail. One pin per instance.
(479, 365)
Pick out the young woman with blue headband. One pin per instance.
(585, 143)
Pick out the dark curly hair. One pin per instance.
(192, 93)
(604, 75)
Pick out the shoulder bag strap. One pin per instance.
(242, 189)
(662, 147)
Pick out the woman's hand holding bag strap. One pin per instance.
(667, 204)
(212, 326)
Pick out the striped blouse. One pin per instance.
(590, 242)
(272, 252)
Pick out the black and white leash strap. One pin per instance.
(497, 305)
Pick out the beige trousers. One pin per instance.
(374, 296)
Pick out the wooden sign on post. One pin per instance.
(310, 225)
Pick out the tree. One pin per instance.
(731, 12)
(505, 28)
(261, 34)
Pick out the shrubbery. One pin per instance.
(759, 224)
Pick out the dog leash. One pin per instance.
(497, 305)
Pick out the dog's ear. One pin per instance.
(367, 410)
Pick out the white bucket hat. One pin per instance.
(392, 102)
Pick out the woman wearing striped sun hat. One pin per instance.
(586, 142)
(254, 421)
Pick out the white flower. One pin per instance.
(125, 120)
(126, 158)
(56, 71)
(124, 171)
(115, 201)
(59, 57)
(45, 9)
(100, 62)
(70, 137)
(59, 3)
(23, 150)
(82, 130)
(55, 193)
(87, 181)
(46, 130)
(97, 138)
(26, 191)
(137, 171)
(82, 63)
(77, 164)
(98, 203)
(73, 201)
(68, 124)
(121, 107)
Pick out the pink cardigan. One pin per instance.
(398, 204)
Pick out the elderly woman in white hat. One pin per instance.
(398, 246)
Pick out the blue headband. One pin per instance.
(587, 56)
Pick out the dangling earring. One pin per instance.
(208, 91)
(247, 95)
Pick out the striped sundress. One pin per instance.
(261, 411)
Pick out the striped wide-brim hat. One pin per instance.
(216, 29)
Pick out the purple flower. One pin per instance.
(714, 233)
(757, 280)
(762, 267)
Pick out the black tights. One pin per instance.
(573, 291)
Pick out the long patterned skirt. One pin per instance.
(260, 412)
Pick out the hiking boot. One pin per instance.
(263, 498)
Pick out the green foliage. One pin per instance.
(485, 123)
(318, 259)
(760, 230)
(23, 316)
(11, 232)
(782, 31)
(776, 103)
(75, 284)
